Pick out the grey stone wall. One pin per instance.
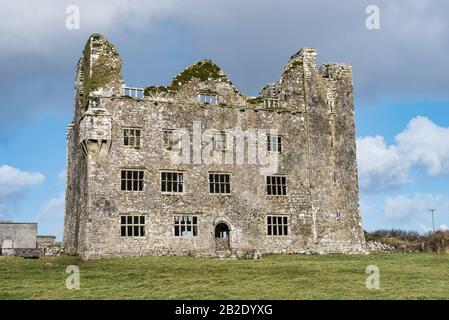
(315, 116)
(45, 241)
(24, 252)
(22, 235)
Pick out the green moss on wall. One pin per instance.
(292, 66)
(98, 112)
(103, 71)
(151, 90)
(202, 70)
(255, 100)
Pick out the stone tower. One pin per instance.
(178, 169)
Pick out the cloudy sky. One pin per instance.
(401, 77)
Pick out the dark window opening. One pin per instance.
(277, 225)
(131, 180)
(222, 230)
(219, 183)
(172, 181)
(132, 226)
(186, 226)
(131, 138)
(276, 185)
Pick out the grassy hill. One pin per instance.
(408, 276)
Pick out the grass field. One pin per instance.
(409, 276)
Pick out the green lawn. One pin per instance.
(409, 276)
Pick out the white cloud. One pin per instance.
(408, 210)
(365, 208)
(14, 180)
(423, 228)
(38, 27)
(425, 143)
(53, 208)
(382, 166)
(51, 216)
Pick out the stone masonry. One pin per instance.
(19, 239)
(310, 109)
(18, 235)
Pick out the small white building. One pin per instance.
(21, 239)
(21, 235)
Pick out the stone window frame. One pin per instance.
(132, 92)
(183, 184)
(205, 98)
(271, 103)
(177, 222)
(168, 138)
(274, 225)
(222, 140)
(269, 185)
(125, 180)
(134, 224)
(137, 138)
(220, 183)
(279, 143)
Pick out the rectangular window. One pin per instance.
(132, 226)
(276, 185)
(171, 139)
(219, 141)
(274, 143)
(204, 98)
(277, 225)
(132, 180)
(271, 103)
(131, 138)
(136, 93)
(219, 183)
(186, 226)
(172, 181)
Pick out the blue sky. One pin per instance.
(401, 78)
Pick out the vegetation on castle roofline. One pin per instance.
(256, 100)
(103, 71)
(151, 90)
(202, 70)
(292, 66)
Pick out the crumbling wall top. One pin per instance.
(101, 68)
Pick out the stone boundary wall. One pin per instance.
(23, 252)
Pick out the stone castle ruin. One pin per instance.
(198, 168)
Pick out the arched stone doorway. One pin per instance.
(222, 236)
